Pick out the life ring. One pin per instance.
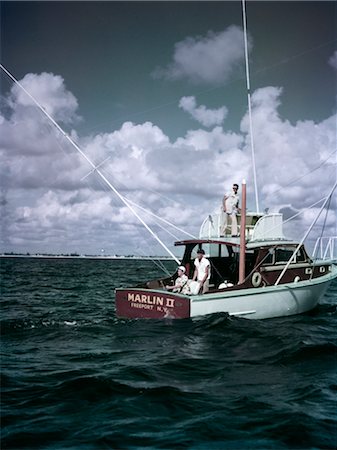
(297, 279)
(256, 279)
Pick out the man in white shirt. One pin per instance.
(202, 272)
(180, 282)
(230, 205)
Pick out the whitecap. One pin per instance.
(70, 323)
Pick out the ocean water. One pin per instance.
(73, 376)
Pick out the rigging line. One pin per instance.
(167, 231)
(297, 214)
(325, 219)
(249, 104)
(93, 170)
(160, 218)
(306, 235)
(153, 214)
(258, 265)
(304, 209)
(292, 57)
(221, 86)
(90, 163)
(165, 197)
(110, 172)
(157, 262)
(160, 266)
(304, 175)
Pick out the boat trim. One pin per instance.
(242, 313)
(209, 296)
(295, 266)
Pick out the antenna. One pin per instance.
(94, 168)
(249, 103)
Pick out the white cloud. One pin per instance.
(288, 155)
(49, 90)
(333, 60)
(45, 204)
(207, 59)
(207, 117)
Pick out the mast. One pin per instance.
(249, 104)
(242, 261)
(94, 168)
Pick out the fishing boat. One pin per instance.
(259, 275)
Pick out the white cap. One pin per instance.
(182, 268)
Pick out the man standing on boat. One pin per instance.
(230, 206)
(202, 272)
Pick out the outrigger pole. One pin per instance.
(249, 104)
(306, 235)
(95, 168)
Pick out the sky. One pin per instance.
(155, 93)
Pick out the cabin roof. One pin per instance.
(270, 243)
(235, 242)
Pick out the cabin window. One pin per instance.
(300, 256)
(269, 258)
(212, 250)
(283, 254)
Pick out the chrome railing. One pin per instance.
(326, 248)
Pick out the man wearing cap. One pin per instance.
(180, 282)
(202, 272)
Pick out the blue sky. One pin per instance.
(159, 88)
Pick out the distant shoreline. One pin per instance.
(118, 257)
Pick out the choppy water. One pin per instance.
(75, 376)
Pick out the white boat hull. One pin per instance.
(264, 302)
(252, 303)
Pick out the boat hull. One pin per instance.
(151, 304)
(264, 303)
(252, 303)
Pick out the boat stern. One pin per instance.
(135, 303)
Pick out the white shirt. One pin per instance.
(232, 202)
(201, 267)
(180, 283)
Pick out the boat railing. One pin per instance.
(325, 248)
(212, 226)
(258, 226)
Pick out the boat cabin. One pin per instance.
(279, 278)
(263, 262)
(267, 253)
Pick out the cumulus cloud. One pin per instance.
(289, 156)
(333, 60)
(207, 59)
(207, 117)
(47, 202)
(50, 91)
